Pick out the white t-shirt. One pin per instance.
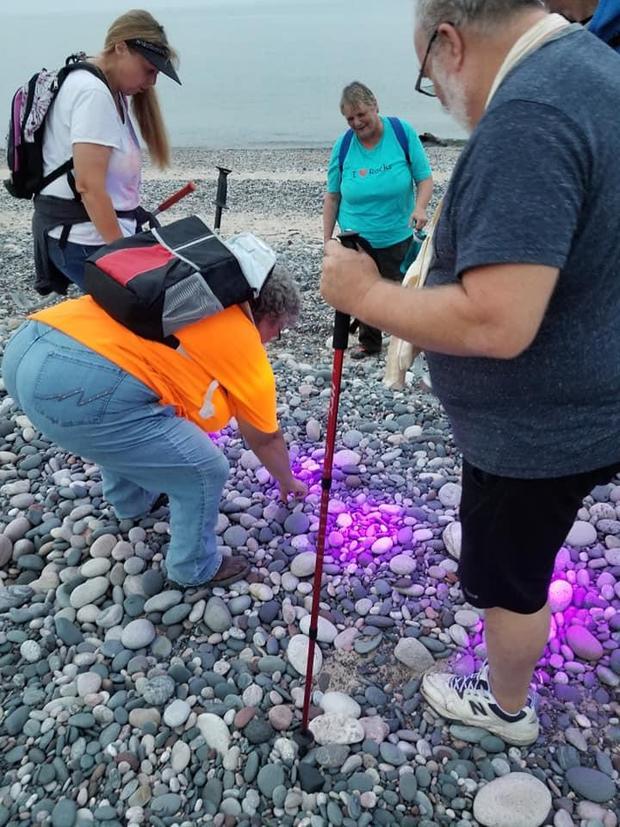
(84, 112)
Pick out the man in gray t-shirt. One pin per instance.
(520, 319)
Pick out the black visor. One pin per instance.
(157, 55)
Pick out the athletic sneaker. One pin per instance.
(469, 700)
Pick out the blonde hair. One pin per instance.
(138, 23)
(357, 93)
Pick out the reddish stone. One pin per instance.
(244, 716)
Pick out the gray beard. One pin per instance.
(455, 104)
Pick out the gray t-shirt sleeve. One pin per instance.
(522, 191)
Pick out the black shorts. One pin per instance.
(512, 531)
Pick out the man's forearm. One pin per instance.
(440, 319)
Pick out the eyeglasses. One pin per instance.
(424, 85)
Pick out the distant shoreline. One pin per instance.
(436, 140)
(276, 146)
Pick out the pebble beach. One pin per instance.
(124, 702)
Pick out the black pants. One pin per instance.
(388, 261)
(512, 531)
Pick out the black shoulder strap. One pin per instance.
(56, 173)
(71, 64)
(86, 66)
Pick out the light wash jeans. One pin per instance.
(94, 409)
(70, 259)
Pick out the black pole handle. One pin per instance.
(342, 322)
(341, 331)
(355, 241)
(221, 195)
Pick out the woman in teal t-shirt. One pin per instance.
(379, 187)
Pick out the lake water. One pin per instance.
(256, 73)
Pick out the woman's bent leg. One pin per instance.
(128, 499)
(182, 461)
(94, 409)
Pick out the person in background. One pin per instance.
(601, 18)
(143, 411)
(518, 317)
(381, 189)
(96, 202)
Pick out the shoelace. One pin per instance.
(477, 682)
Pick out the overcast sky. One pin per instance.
(264, 71)
(84, 7)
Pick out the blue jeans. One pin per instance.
(94, 409)
(70, 259)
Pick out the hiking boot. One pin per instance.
(230, 571)
(470, 701)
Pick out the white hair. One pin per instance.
(484, 14)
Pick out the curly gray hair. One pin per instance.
(279, 298)
(484, 14)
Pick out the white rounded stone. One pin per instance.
(450, 494)
(414, 655)
(466, 618)
(88, 683)
(177, 713)
(336, 729)
(346, 457)
(138, 633)
(261, 591)
(413, 432)
(102, 547)
(333, 703)
(612, 555)
(515, 800)
(297, 654)
(452, 538)
(326, 631)
(363, 606)
(181, 756)
(581, 534)
(30, 651)
(95, 567)
(88, 592)
(214, 731)
(402, 565)
(303, 564)
(560, 595)
(382, 545)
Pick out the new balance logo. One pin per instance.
(477, 709)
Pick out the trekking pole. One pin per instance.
(339, 344)
(176, 196)
(148, 220)
(221, 195)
